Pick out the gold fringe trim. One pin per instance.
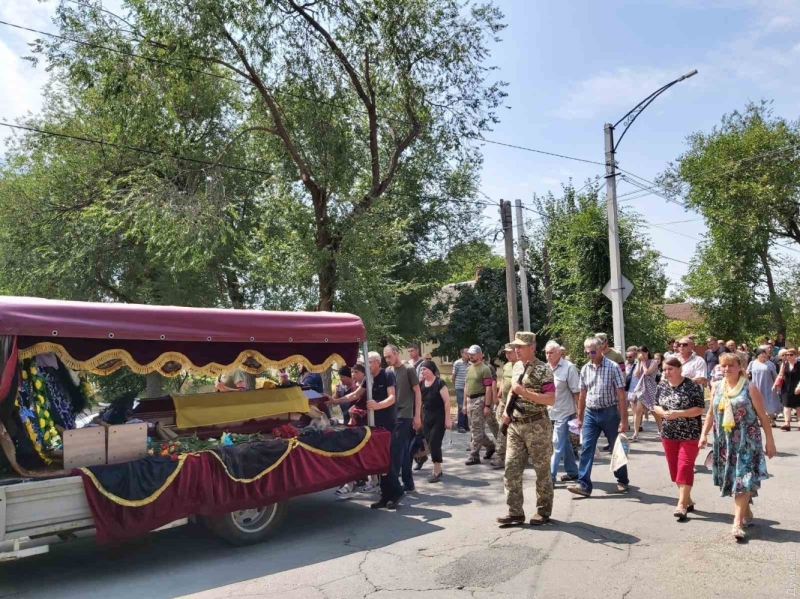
(290, 446)
(120, 358)
(137, 502)
(342, 454)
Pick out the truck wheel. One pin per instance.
(247, 527)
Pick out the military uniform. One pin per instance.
(508, 369)
(477, 375)
(529, 435)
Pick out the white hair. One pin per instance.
(552, 345)
(373, 355)
(593, 341)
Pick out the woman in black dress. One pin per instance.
(435, 414)
(790, 376)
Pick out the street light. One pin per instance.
(617, 290)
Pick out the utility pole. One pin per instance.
(617, 298)
(522, 244)
(548, 285)
(511, 280)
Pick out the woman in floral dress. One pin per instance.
(643, 389)
(737, 415)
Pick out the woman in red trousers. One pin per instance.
(680, 402)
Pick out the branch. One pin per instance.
(237, 137)
(305, 172)
(373, 125)
(114, 291)
(354, 78)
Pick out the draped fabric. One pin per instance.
(127, 500)
(209, 409)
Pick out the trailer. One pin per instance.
(242, 500)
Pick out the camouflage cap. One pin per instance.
(509, 347)
(523, 338)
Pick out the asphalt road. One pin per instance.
(444, 543)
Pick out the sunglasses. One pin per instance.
(789, 354)
(683, 345)
(591, 352)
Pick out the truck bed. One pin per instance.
(43, 507)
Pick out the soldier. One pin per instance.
(480, 391)
(504, 388)
(529, 433)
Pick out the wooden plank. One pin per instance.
(84, 447)
(127, 442)
(36, 505)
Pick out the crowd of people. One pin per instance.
(550, 412)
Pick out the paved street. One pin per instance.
(443, 543)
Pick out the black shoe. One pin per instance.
(462, 430)
(641, 429)
(472, 461)
(606, 448)
(420, 462)
(489, 453)
(380, 504)
(394, 503)
(566, 478)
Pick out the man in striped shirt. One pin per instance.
(602, 408)
(459, 382)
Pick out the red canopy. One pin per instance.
(35, 317)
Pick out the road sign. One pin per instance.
(627, 287)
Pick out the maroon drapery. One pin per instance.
(8, 372)
(203, 488)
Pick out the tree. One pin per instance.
(337, 99)
(478, 314)
(574, 229)
(744, 178)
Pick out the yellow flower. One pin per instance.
(38, 385)
(16, 402)
(50, 424)
(38, 409)
(40, 398)
(42, 423)
(24, 376)
(46, 414)
(46, 436)
(34, 372)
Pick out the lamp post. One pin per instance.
(617, 290)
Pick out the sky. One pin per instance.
(571, 67)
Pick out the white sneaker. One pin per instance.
(368, 488)
(345, 490)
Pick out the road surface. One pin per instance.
(443, 543)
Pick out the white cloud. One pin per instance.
(609, 92)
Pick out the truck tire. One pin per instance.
(248, 527)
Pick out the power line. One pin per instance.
(500, 143)
(674, 259)
(110, 144)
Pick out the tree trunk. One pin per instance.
(774, 301)
(328, 244)
(153, 388)
(234, 290)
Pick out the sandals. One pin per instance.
(680, 514)
(738, 533)
(786, 428)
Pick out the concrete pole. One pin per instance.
(511, 279)
(522, 244)
(613, 242)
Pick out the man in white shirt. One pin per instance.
(568, 386)
(694, 366)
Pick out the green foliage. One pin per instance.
(680, 328)
(574, 230)
(351, 123)
(743, 177)
(478, 313)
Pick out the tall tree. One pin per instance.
(574, 229)
(744, 178)
(335, 97)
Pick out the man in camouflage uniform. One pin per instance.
(504, 389)
(529, 433)
(480, 395)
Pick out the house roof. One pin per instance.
(682, 311)
(447, 295)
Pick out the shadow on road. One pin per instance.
(762, 529)
(596, 534)
(189, 559)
